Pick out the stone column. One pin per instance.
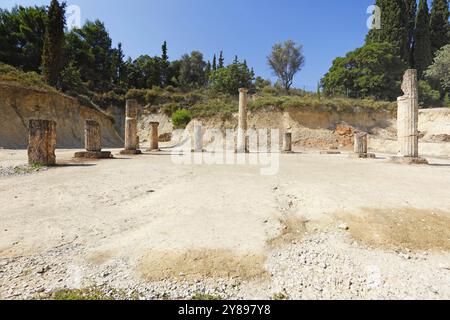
(198, 138)
(287, 142)
(93, 142)
(42, 142)
(361, 146)
(154, 136)
(92, 136)
(242, 146)
(131, 138)
(408, 119)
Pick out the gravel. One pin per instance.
(320, 266)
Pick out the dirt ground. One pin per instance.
(326, 226)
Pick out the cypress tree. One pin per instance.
(411, 11)
(394, 26)
(214, 64)
(439, 25)
(422, 42)
(221, 61)
(52, 56)
(164, 65)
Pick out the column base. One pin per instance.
(362, 156)
(130, 152)
(94, 155)
(409, 160)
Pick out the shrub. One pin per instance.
(181, 118)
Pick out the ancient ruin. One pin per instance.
(287, 142)
(242, 145)
(42, 142)
(361, 146)
(154, 137)
(131, 138)
(408, 121)
(93, 142)
(198, 137)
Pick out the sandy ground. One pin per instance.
(325, 226)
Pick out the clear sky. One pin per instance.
(248, 28)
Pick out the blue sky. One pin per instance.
(248, 28)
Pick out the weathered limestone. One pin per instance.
(198, 137)
(361, 146)
(287, 142)
(42, 142)
(93, 144)
(242, 145)
(408, 120)
(131, 138)
(154, 137)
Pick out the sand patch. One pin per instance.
(293, 228)
(198, 264)
(401, 228)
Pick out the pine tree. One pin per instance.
(52, 56)
(208, 72)
(236, 60)
(439, 25)
(394, 26)
(422, 42)
(411, 11)
(214, 64)
(221, 61)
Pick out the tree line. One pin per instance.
(411, 36)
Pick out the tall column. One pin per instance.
(93, 142)
(198, 137)
(242, 146)
(41, 142)
(408, 118)
(287, 142)
(131, 138)
(154, 136)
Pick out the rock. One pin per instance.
(343, 226)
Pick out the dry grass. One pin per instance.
(199, 264)
(402, 228)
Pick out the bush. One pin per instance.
(181, 118)
(137, 94)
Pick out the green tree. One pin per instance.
(90, 48)
(145, 72)
(164, 65)
(229, 79)
(286, 60)
(221, 61)
(439, 71)
(439, 25)
(52, 57)
(411, 11)
(214, 63)
(192, 70)
(422, 39)
(394, 27)
(374, 70)
(22, 32)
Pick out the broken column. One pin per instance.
(131, 137)
(361, 146)
(408, 120)
(242, 146)
(42, 142)
(198, 137)
(154, 137)
(93, 142)
(287, 142)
